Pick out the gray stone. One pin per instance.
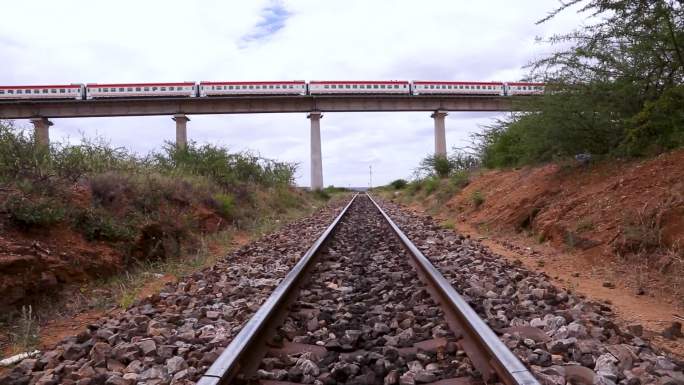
(605, 367)
(175, 364)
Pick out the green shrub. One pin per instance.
(99, 225)
(225, 204)
(477, 198)
(321, 194)
(284, 198)
(459, 179)
(223, 167)
(438, 165)
(34, 212)
(399, 184)
(413, 187)
(334, 190)
(430, 185)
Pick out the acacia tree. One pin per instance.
(615, 87)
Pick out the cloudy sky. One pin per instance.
(83, 41)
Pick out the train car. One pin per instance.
(295, 87)
(421, 87)
(62, 91)
(523, 88)
(140, 90)
(332, 87)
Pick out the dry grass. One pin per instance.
(641, 245)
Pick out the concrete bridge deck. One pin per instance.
(40, 111)
(26, 109)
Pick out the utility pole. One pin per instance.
(370, 173)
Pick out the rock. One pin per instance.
(175, 364)
(391, 378)
(605, 367)
(424, 376)
(308, 367)
(117, 380)
(380, 328)
(99, 353)
(73, 352)
(147, 346)
(407, 378)
(276, 374)
(673, 331)
(28, 364)
(609, 285)
(151, 374)
(663, 363)
(342, 370)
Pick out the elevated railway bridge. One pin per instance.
(181, 108)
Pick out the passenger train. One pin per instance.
(279, 88)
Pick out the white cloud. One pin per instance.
(88, 41)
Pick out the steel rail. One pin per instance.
(240, 353)
(482, 345)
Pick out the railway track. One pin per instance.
(365, 306)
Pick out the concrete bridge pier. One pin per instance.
(316, 158)
(181, 130)
(440, 132)
(41, 131)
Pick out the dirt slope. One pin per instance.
(592, 205)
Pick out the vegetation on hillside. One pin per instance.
(148, 205)
(615, 88)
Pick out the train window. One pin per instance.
(19, 92)
(362, 86)
(146, 88)
(162, 88)
(270, 86)
(382, 86)
(432, 86)
(326, 86)
(397, 86)
(62, 90)
(137, 89)
(355, 86)
(2, 92)
(171, 88)
(129, 89)
(154, 88)
(347, 86)
(375, 86)
(333, 86)
(251, 87)
(53, 91)
(11, 91)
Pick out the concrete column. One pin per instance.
(316, 159)
(41, 131)
(440, 132)
(181, 130)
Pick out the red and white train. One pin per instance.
(279, 88)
